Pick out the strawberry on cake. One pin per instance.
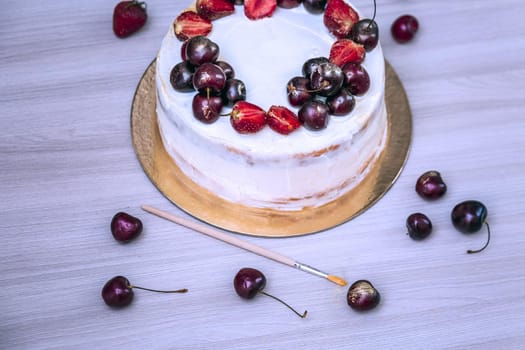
(272, 106)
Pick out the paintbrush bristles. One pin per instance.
(337, 280)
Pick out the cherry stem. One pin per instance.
(373, 17)
(303, 315)
(208, 94)
(486, 243)
(184, 290)
(323, 85)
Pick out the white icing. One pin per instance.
(266, 169)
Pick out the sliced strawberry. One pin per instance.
(345, 50)
(247, 118)
(339, 18)
(256, 9)
(214, 9)
(282, 120)
(128, 17)
(189, 24)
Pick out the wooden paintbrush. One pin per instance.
(209, 231)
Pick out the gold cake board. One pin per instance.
(208, 207)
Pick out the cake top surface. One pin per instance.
(265, 55)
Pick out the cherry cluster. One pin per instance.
(214, 80)
(217, 87)
(326, 89)
(328, 85)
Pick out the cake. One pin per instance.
(266, 169)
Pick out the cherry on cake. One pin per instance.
(312, 161)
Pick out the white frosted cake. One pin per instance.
(267, 169)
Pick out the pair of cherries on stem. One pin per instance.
(467, 216)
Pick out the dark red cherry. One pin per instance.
(248, 282)
(288, 4)
(118, 292)
(314, 6)
(234, 90)
(430, 185)
(227, 69)
(362, 296)
(206, 107)
(209, 76)
(298, 91)
(200, 49)
(181, 77)
(183, 50)
(357, 80)
(404, 28)
(468, 217)
(314, 115)
(341, 103)
(125, 227)
(366, 33)
(327, 79)
(419, 226)
(312, 64)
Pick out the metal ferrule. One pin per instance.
(310, 269)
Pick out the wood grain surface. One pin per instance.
(68, 165)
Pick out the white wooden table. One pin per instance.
(68, 165)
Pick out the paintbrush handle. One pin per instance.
(209, 231)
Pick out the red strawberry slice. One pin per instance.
(129, 17)
(345, 50)
(257, 9)
(339, 18)
(189, 24)
(282, 120)
(214, 9)
(247, 118)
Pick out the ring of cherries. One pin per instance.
(327, 86)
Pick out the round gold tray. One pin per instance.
(206, 206)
